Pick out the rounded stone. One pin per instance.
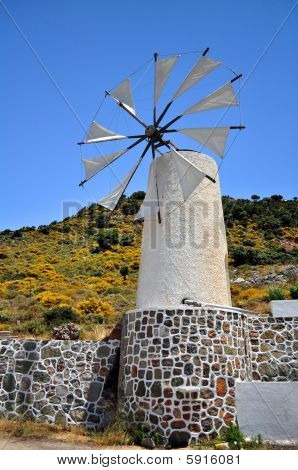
(179, 439)
(221, 387)
(9, 383)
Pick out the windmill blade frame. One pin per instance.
(106, 160)
(111, 200)
(199, 71)
(213, 138)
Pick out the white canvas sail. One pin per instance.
(94, 165)
(123, 94)
(224, 96)
(213, 138)
(189, 175)
(202, 68)
(98, 133)
(163, 68)
(111, 200)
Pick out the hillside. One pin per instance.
(84, 269)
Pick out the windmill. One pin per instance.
(156, 134)
(188, 170)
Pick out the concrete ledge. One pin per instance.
(284, 308)
(268, 408)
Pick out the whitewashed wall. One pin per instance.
(185, 256)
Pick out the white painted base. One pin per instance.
(269, 409)
(186, 255)
(284, 308)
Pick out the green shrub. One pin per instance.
(44, 229)
(59, 315)
(276, 293)
(254, 256)
(4, 318)
(137, 195)
(248, 242)
(90, 231)
(107, 237)
(35, 327)
(64, 229)
(94, 318)
(234, 437)
(255, 443)
(94, 272)
(17, 234)
(126, 240)
(139, 432)
(130, 206)
(12, 276)
(113, 290)
(293, 292)
(124, 272)
(101, 221)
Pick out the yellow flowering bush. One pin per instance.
(51, 299)
(253, 294)
(95, 305)
(101, 286)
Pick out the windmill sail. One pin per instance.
(202, 68)
(95, 165)
(163, 70)
(213, 138)
(224, 96)
(111, 200)
(123, 94)
(189, 175)
(98, 133)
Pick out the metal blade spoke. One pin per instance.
(123, 106)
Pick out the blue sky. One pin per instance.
(88, 46)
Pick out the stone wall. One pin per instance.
(179, 367)
(65, 382)
(178, 371)
(273, 348)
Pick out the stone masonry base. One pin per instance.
(179, 367)
(178, 371)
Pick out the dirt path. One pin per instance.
(19, 443)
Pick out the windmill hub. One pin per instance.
(150, 130)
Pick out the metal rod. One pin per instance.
(163, 113)
(170, 123)
(140, 159)
(154, 106)
(211, 179)
(136, 143)
(170, 103)
(207, 176)
(177, 130)
(157, 194)
(122, 105)
(126, 150)
(111, 139)
(236, 78)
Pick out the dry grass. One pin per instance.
(116, 435)
(98, 332)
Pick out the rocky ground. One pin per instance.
(284, 275)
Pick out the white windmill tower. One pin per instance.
(184, 249)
